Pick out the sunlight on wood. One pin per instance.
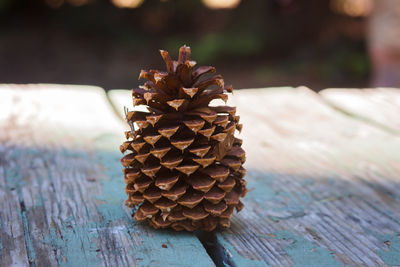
(58, 112)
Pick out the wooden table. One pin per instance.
(323, 174)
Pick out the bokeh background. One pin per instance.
(253, 43)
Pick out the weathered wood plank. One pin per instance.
(60, 150)
(324, 188)
(379, 106)
(320, 171)
(13, 245)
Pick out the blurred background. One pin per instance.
(252, 43)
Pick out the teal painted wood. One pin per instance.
(13, 246)
(323, 186)
(323, 179)
(62, 187)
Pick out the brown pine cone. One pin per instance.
(184, 167)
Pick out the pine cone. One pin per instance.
(184, 168)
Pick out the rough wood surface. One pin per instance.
(324, 186)
(379, 106)
(61, 186)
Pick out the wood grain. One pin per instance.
(61, 186)
(324, 187)
(321, 181)
(379, 106)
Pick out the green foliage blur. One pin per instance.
(259, 43)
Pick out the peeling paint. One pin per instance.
(182, 246)
(14, 181)
(391, 254)
(28, 241)
(75, 245)
(113, 194)
(279, 204)
(38, 198)
(306, 253)
(181, 251)
(232, 258)
(1, 245)
(260, 192)
(13, 175)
